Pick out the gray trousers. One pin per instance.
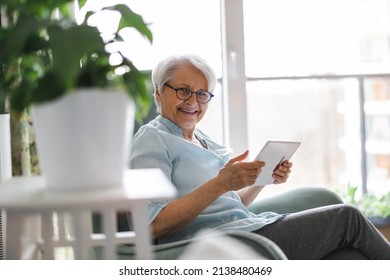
(330, 232)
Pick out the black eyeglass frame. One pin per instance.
(192, 92)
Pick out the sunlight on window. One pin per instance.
(305, 37)
(178, 27)
(321, 38)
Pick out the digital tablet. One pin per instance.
(274, 153)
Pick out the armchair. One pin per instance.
(291, 201)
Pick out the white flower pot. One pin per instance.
(5, 148)
(83, 139)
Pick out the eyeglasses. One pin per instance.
(184, 93)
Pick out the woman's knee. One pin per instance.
(350, 210)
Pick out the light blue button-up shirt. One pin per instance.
(160, 144)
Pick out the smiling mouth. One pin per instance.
(187, 111)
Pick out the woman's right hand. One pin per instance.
(237, 174)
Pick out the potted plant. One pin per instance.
(81, 102)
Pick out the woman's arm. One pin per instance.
(234, 176)
(181, 211)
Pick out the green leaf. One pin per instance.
(20, 98)
(132, 19)
(82, 3)
(3, 98)
(17, 40)
(49, 88)
(94, 71)
(138, 85)
(39, 8)
(69, 46)
(43, 57)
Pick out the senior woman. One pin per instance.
(214, 190)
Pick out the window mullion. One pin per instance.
(233, 78)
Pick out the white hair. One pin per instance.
(165, 70)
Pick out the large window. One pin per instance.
(305, 37)
(316, 71)
(178, 27)
(314, 74)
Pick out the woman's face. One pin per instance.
(188, 113)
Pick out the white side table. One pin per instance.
(24, 197)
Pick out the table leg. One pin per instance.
(142, 231)
(109, 229)
(13, 237)
(82, 233)
(47, 235)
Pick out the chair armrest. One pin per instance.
(296, 200)
(264, 247)
(287, 202)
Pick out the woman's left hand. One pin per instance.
(282, 172)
